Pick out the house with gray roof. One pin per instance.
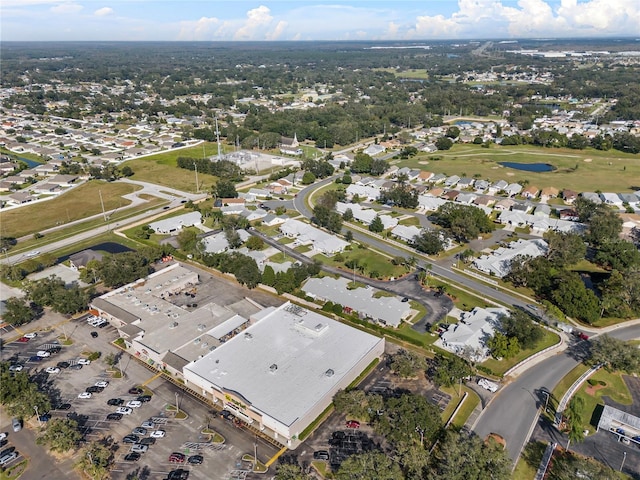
(591, 196)
(498, 187)
(498, 263)
(465, 182)
(451, 181)
(437, 178)
(513, 189)
(481, 185)
(177, 223)
(406, 232)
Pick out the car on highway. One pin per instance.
(102, 384)
(52, 370)
(195, 460)
(177, 457)
(124, 410)
(116, 402)
(134, 404)
(158, 434)
(132, 457)
(85, 395)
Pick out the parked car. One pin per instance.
(132, 457)
(84, 361)
(102, 384)
(35, 358)
(134, 404)
(144, 398)
(195, 460)
(135, 391)
(148, 441)
(321, 455)
(64, 406)
(77, 366)
(179, 474)
(139, 448)
(9, 457)
(227, 415)
(63, 364)
(52, 370)
(16, 367)
(23, 340)
(94, 389)
(16, 424)
(353, 424)
(31, 335)
(177, 457)
(53, 350)
(139, 431)
(124, 410)
(148, 424)
(158, 434)
(3, 435)
(43, 353)
(114, 416)
(85, 395)
(45, 417)
(116, 402)
(94, 334)
(131, 438)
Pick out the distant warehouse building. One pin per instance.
(282, 372)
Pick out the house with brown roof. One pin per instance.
(425, 176)
(548, 193)
(569, 196)
(530, 192)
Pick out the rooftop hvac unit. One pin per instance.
(273, 367)
(329, 373)
(173, 325)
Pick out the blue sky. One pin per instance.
(129, 20)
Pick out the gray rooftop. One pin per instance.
(281, 363)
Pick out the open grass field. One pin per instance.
(467, 408)
(162, 169)
(579, 170)
(372, 263)
(80, 202)
(529, 461)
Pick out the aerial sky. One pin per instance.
(243, 20)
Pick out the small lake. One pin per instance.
(529, 167)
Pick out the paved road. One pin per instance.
(513, 412)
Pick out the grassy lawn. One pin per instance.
(610, 171)
(14, 471)
(529, 462)
(372, 262)
(422, 339)
(461, 299)
(322, 468)
(499, 367)
(566, 382)
(409, 221)
(467, 408)
(78, 203)
(162, 169)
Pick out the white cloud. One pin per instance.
(277, 32)
(67, 8)
(202, 29)
(257, 19)
(103, 12)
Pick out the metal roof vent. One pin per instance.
(273, 368)
(329, 373)
(204, 345)
(173, 325)
(318, 327)
(248, 336)
(197, 341)
(202, 327)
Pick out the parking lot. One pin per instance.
(182, 436)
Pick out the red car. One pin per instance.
(583, 336)
(353, 424)
(177, 457)
(23, 339)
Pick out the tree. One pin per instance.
(368, 465)
(614, 354)
(61, 435)
(376, 224)
(268, 276)
(188, 240)
(444, 143)
(452, 132)
(461, 456)
(569, 466)
(255, 243)
(465, 222)
(347, 216)
(96, 460)
(122, 268)
(518, 324)
(409, 419)
(574, 413)
(248, 273)
(502, 346)
(564, 248)
(308, 178)
(18, 311)
(448, 370)
(572, 296)
(288, 471)
(407, 364)
(225, 189)
(618, 254)
(348, 236)
(429, 241)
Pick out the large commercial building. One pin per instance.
(282, 372)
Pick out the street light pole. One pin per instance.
(177, 404)
(546, 400)
(624, 457)
(35, 407)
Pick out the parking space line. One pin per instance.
(147, 382)
(275, 457)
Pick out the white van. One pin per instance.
(17, 424)
(488, 385)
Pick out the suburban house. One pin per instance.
(611, 199)
(569, 196)
(497, 187)
(366, 215)
(437, 178)
(385, 310)
(465, 182)
(530, 192)
(406, 233)
(469, 337)
(175, 224)
(425, 176)
(374, 149)
(513, 189)
(80, 259)
(451, 181)
(370, 194)
(591, 196)
(569, 214)
(306, 234)
(548, 193)
(498, 262)
(481, 185)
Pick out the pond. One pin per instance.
(529, 167)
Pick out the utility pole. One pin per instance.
(195, 166)
(624, 457)
(218, 138)
(101, 203)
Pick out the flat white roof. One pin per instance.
(287, 362)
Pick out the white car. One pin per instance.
(84, 361)
(30, 335)
(3, 435)
(124, 410)
(52, 370)
(85, 395)
(134, 404)
(43, 353)
(102, 384)
(16, 368)
(158, 434)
